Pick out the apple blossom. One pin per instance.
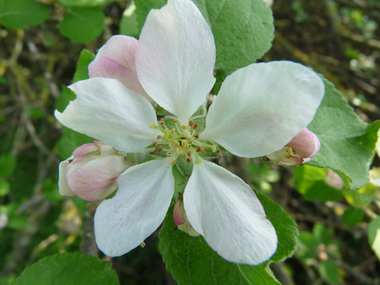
(91, 171)
(301, 149)
(258, 110)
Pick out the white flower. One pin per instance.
(258, 110)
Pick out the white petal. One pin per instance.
(63, 186)
(261, 107)
(107, 110)
(137, 209)
(175, 58)
(224, 209)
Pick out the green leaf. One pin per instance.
(128, 23)
(329, 271)
(347, 143)
(243, 29)
(286, 228)
(7, 164)
(65, 147)
(22, 14)
(64, 98)
(374, 235)
(86, 3)
(192, 261)
(81, 72)
(82, 24)
(321, 233)
(5, 186)
(307, 245)
(309, 182)
(68, 268)
(352, 216)
(362, 197)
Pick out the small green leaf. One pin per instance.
(68, 268)
(309, 182)
(64, 98)
(128, 23)
(7, 164)
(86, 3)
(329, 271)
(362, 197)
(5, 186)
(82, 24)
(352, 216)
(347, 143)
(307, 245)
(22, 14)
(374, 235)
(321, 233)
(192, 261)
(81, 72)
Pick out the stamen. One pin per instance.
(195, 126)
(191, 123)
(174, 144)
(173, 131)
(188, 160)
(189, 153)
(173, 161)
(169, 154)
(184, 127)
(154, 144)
(203, 148)
(175, 121)
(186, 134)
(196, 136)
(185, 143)
(159, 149)
(198, 149)
(159, 137)
(180, 151)
(161, 123)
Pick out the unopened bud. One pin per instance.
(91, 172)
(181, 221)
(301, 149)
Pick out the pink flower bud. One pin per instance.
(116, 59)
(91, 171)
(180, 219)
(333, 180)
(301, 149)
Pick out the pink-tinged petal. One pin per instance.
(137, 209)
(122, 50)
(63, 187)
(261, 107)
(305, 144)
(107, 110)
(105, 67)
(175, 58)
(225, 210)
(95, 180)
(86, 149)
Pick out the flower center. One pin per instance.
(180, 140)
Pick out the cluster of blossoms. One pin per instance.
(262, 110)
